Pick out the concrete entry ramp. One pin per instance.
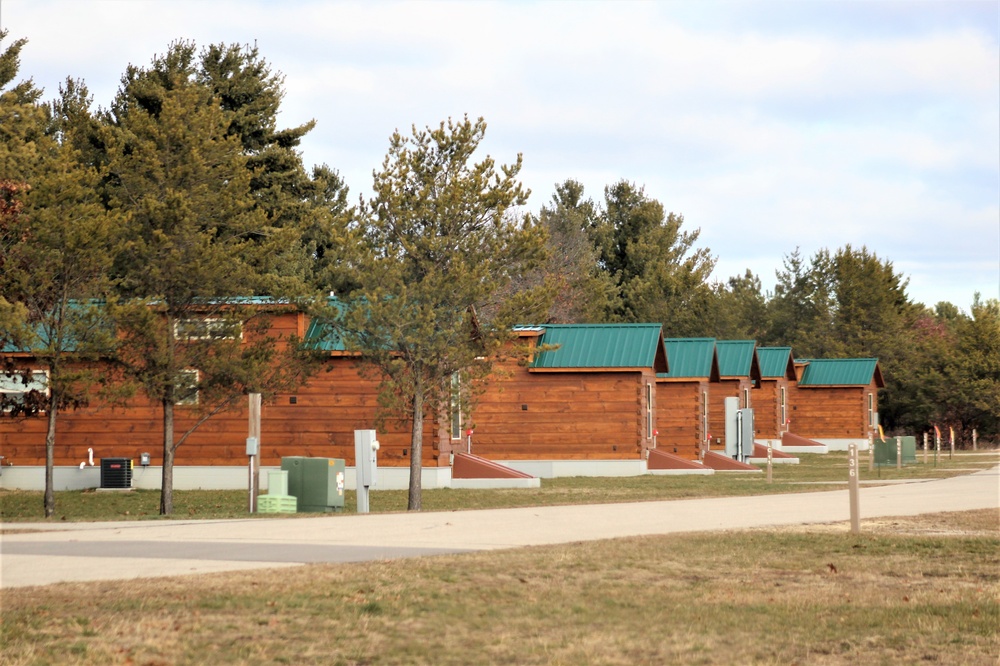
(468, 466)
(723, 463)
(793, 443)
(476, 473)
(662, 462)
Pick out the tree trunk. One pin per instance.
(167, 484)
(50, 447)
(416, 449)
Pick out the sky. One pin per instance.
(770, 126)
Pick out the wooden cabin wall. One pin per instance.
(679, 406)
(830, 412)
(523, 415)
(320, 423)
(725, 388)
(767, 407)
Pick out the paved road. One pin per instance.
(125, 550)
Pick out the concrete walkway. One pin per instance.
(140, 549)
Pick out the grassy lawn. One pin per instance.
(815, 472)
(909, 590)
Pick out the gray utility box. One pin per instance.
(318, 483)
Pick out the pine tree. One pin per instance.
(55, 248)
(442, 240)
(197, 247)
(660, 274)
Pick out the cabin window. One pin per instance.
(186, 387)
(746, 398)
(455, 406)
(649, 411)
(207, 328)
(783, 407)
(14, 388)
(871, 410)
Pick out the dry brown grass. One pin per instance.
(907, 590)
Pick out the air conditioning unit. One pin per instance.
(116, 472)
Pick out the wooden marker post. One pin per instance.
(951, 452)
(925, 448)
(769, 460)
(852, 487)
(899, 453)
(973, 439)
(937, 448)
(253, 432)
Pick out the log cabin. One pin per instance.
(682, 396)
(318, 419)
(835, 401)
(739, 376)
(771, 409)
(584, 404)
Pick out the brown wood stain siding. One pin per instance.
(320, 423)
(831, 412)
(679, 411)
(726, 388)
(561, 415)
(767, 407)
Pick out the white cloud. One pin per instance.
(769, 125)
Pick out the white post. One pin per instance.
(852, 487)
(253, 433)
(925, 447)
(769, 455)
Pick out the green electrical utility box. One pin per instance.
(318, 483)
(885, 452)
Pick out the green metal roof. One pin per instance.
(736, 357)
(840, 372)
(691, 358)
(774, 362)
(323, 337)
(595, 346)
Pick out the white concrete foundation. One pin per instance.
(201, 478)
(551, 469)
(484, 484)
(842, 444)
(682, 472)
(774, 461)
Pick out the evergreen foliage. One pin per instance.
(443, 240)
(661, 276)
